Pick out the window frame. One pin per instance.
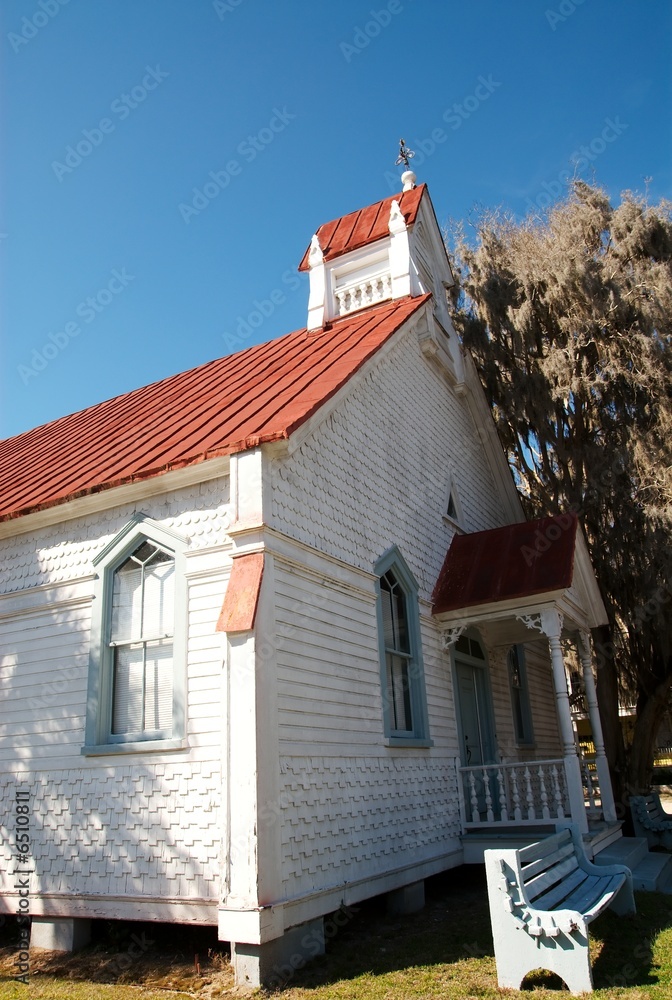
(452, 493)
(392, 561)
(527, 739)
(99, 738)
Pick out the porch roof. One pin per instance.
(490, 574)
(518, 560)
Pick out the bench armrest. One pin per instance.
(589, 866)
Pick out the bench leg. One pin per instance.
(623, 902)
(518, 953)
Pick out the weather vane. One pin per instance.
(405, 154)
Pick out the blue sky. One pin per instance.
(125, 261)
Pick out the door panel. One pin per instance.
(476, 731)
(470, 716)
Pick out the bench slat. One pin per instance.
(547, 879)
(587, 895)
(535, 867)
(556, 897)
(611, 889)
(542, 847)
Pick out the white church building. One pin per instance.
(275, 636)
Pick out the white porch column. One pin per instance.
(550, 623)
(604, 778)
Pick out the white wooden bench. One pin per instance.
(650, 820)
(542, 899)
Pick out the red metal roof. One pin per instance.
(516, 561)
(364, 226)
(228, 405)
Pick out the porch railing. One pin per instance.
(526, 792)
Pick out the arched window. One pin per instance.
(141, 641)
(402, 677)
(398, 658)
(137, 658)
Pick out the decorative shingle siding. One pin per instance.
(375, 473)
(125, 830)
(352, 817)
(65, 551)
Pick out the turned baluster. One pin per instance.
(545, 811)
(517, 811)
(557, 793)
(473, 798)
(488, 798)
(503, 810)
(529, 797)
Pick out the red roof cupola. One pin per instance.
(389, 250)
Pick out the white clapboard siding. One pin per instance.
(351, 808)
(131, 826)
(328, 673)
(439, 686)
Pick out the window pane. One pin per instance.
(388, 620)
(158, 606)
(400, 695)
(159, 686)
(127, 601)
(401, 625)
(395, 625)
(128, 687)
(476, 649)
(144, 552)
(519, 698)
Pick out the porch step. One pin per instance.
(475, 843)
(602, 835)
(624, 851)
(651, 871)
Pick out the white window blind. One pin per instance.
(141, 637)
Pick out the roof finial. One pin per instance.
(405, 154)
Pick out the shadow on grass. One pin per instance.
(626, 955)
(454, 927)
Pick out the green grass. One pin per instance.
(444, 952)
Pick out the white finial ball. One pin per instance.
(408, 179)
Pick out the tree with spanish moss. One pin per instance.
(569, 319)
